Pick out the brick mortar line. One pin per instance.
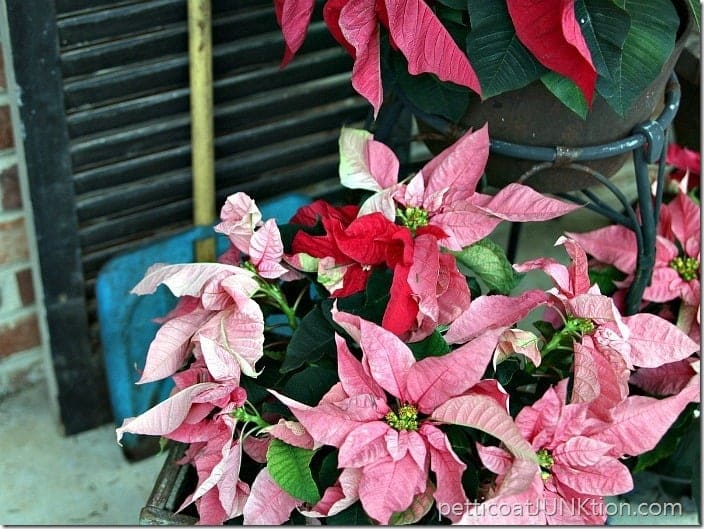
(11, 216)
(8, 158)
(17, 314)
(19, 266)
(21, 370)
(21, 357)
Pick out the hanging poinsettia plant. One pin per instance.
(437, 51)
(379, 362)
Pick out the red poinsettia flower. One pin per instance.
(687, 165)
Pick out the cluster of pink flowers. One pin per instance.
(379, 386)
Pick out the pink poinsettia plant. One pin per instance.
(375, 361)
(577, 49)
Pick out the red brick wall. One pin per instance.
(21, 358)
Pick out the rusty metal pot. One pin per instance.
(533, 116)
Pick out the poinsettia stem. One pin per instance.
(553, 344)
(276, 297)
(243, 415)
(574, 328)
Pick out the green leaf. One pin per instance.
(488, 261)
(419, 507)
(545, 328)
(433, 345)
(451, 13)
(459, 441)
(312, 339)
(499, 59)
(309, 385)
(506, 369)
(605, 277)
(678, 440)
(474, 288)
(454, 4)
(649, 43)
(695, 9)
(567, 92)
(371, 304)
(255, 392)
(604, 27)
(289, 466)
(328, 471)
(430, 94)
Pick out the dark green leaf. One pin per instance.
(694, 195)
(289, 467)
(255, 392)
(605, 277)
(649, 43)
(433, 345)
(454, 4)
(506, 369)
(289, 231)
(605, 27)
(311, 340)
(328, 471)
(459, 441)
(684, 435)
(488, 261)
(309, 385)
(470, 481)
(545, 328)
(371, 304)
(430, 94)
(353, 515)
(451, 14)
(474, 288)
(695, 8)
(567, 92)
(501, 62)
(419, 507)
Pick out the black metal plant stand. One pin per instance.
(647, 142)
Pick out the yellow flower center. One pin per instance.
(405, 419)
(686, 267)
(546, 462)
(580, 325)
(413, 217)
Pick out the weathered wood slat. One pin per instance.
(304, 68)
(105, 24)
(107, 200)
(66, 8)
(167, 133)
(238, 169)
(168, 40)
(266, 186)
(122, 84)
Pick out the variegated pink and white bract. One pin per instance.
(443, 193)
(338, 367)
(578, 453)
(372, 416)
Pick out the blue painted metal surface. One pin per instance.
(126, 320)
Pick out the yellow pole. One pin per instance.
(200, 57)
